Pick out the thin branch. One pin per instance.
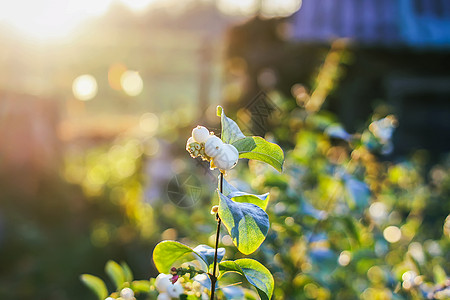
(219, 221)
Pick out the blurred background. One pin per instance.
(97, 100)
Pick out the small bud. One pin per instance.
(173, 271)
(127, 294)
(190, 141)
(214, 209)
(174, 279)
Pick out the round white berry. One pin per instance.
(175, 290)
(227, 158)
(163, 296)
(127, 294)
(200, 134)
(234, 150)
(162, 282)
(213, 146)
(190, 141)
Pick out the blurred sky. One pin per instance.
(50, 19)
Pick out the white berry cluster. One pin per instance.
(166, 289)
(169, 291)
(211, 148)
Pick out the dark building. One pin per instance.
(400, 56)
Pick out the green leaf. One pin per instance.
(243, 197)
(166, 253)
(255, 273)
(115, 272)
(257, 148)
(230, 130)
(247, 223)
(142, 286)
(439, 274)
(206, 253)
(127, 272)
(96, 285)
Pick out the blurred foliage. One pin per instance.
(345, 222)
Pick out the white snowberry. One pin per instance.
(227, 158)
(213, 146)
(234, 150)
(190, 141)
(127, 294)
(163, 296)
(200, 134)
(175, 290)
(162, 282)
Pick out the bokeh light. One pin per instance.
(149, 123)
(151, 147)
(137, 5)
(378, 211)
(280, 8)
(344, 258)
(115, 72)
(131, 83)
(238, 7)
(392, 234)
(84, 87)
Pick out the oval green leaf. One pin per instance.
(246, 223)
(206, 253)
(243, 197)
(115, 272)
(255, 273)
(166, 253)
(230, 130)
(127, 272)
(257, 148)
(96, 285)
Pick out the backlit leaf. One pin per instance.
(230, 130)
(255, 273)
(243, 197)
(166, 253)
(115, 272)
(96, 285)
(257, 148)
(247, 223)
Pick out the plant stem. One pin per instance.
(219, 221)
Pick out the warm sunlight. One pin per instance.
(53, 19)
(49, 19)
(137, 5)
